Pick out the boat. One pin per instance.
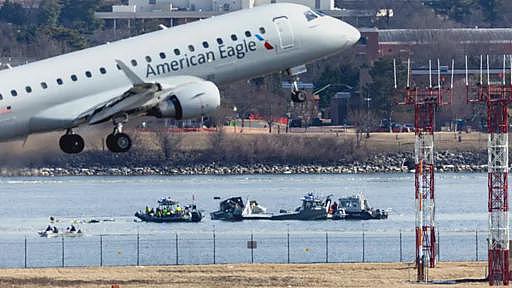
(49, 232)
(73, 232)
(169, 210)
(230, 209)
(356, 207)
(53, 231)
(312, 208)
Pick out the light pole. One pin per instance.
(235, 110)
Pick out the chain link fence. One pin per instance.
(234, 247)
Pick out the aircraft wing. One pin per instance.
(139, 99)
(136, 99)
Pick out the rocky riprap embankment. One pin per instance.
(379, 163)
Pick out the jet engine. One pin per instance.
(190, 100)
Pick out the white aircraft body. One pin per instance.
(168, 73)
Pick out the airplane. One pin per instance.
(169, 73)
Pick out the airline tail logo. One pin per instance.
(266, 44)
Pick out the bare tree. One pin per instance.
(364, 122)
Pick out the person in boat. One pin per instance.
(179, 209)
(55, 230)
(334, 208)
(147, 210)
(48, 229)
(73, 228)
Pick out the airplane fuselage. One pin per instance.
(48, 95)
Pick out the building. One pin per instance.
(403, 43)
(135, 6)
(338, 108)
(182, 11)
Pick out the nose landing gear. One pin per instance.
(297, 95)
(71, 143)
(119, 142)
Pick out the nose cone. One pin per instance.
(341, 34)
(352, 34)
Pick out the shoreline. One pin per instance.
(460, 162)
(227, 171)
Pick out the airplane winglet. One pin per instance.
(130, 74)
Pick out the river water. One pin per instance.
(26, 204)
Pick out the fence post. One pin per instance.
(363, 247)
(25, 255)
(438, 247)
(62, 250)
(476, 244)
(177, 250)
(214, 260)
(138, 249)
(101, 250)
(401, 255)
(326, 247)
(288, 244)
(252, 248)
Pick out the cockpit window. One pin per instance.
(320, 13)
(310, 15)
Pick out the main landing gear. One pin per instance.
(71, 143)
(119, 142)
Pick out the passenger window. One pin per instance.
(262, 30)
(310, 16)
(59, 81)
(248, 33)
(162, 55)
(219, 41)
(88, 74)
(134, 62)
(14, 93)
(205, 44)
(74, 78)
(177, 52)
(191, 48)
(148, 59)
(233, 37)
(103, 70)
(44, 85)
(28, 89)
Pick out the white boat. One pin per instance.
(49, 232)
(255, 211)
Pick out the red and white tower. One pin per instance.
(425, 102)
(497, 96)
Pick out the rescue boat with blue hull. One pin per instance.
(169, 211)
